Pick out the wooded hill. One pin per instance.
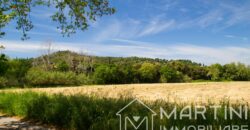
(70, 68)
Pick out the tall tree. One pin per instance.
(70, 14)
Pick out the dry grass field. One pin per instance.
(179, 92)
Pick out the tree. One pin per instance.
(130, 73)
(170, 75)
(3, 64)
(17, 70)
(230, 71)
(70, 14)
(148, 72)
(107, 74)
(243, 72)
(63, 66)
(215, 72)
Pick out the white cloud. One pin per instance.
(36, 46)
(202, 54)
(236, 37)
(157, 26)
(131, 28)
(238, 14)
(213, 17)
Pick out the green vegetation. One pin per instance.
(69, 68)
(92, 113)
(70, 15)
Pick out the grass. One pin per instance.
(94, 113)
(176, 92)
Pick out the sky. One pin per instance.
(204, 31)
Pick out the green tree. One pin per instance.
(215, 72)
(230, 71)
(170, 75)
(17, 71)
(148, 73)
(70, 14)
(3, 64)
(63, 66)
(130, 74)
(243, 72)
(107, 74)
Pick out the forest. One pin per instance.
(64, 68)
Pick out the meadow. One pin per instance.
(172, 92)
(95, 107)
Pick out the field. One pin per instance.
(177, 92)
(95, 107)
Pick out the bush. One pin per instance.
(84, 79)
(17, 71)
(148, 73)
(38, 77)
(79, 112)
(3, 64)
(170, 75)
(105, 74)
(3, 82)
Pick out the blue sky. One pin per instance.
(205, 31)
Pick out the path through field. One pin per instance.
(14, 123)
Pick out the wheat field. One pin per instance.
(177, 92)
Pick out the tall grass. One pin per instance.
(92, 113)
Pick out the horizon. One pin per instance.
(207, 33)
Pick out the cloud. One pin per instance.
(131, 28)
(201, 54)
(36, 46)
(236, 37)
(157, 26)
(213, 17)
(237, 14)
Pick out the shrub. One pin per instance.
(79, 112)
(148, 73)
(84, 79)
(3, 64)
(170, 75)
(105, 74)
(63, 66)
(38, 77)
(3, 82)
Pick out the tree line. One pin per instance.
(69, 68)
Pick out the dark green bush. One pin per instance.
(39, 77)
(3, 82)
(78, 112)
(105, 74)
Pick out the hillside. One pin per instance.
(65, 68)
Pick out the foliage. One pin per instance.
(105, 74)
(70, 68)
(148, 72)
(79, 112)
(215, 72)
(170, 75)
(3, 64)
(38, 77)
(3, 82)
(17, 71)
(70, 15)
(63, 66)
